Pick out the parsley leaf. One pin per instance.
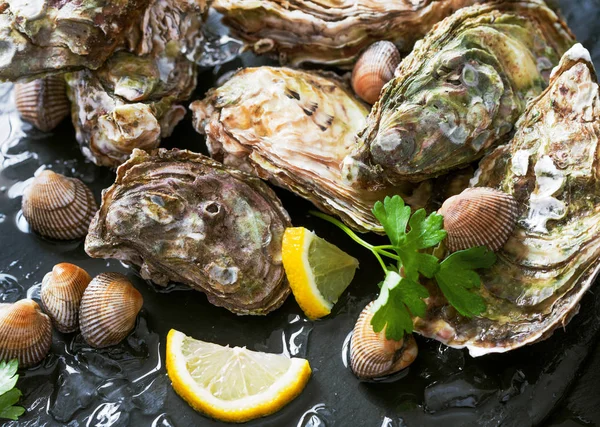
(398, 300)
(425, 232)
(8, 394)
(457, 276)
(393, 216)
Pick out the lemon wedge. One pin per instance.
(318, 271)
(232, 384)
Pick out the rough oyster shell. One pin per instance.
(293, 128)
(552, 168)
(184, 217)
(41, 36)
(132, 101)
(331, 32)
(459, 92)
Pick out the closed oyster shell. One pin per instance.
(43, 36)
(43, 102)
(459, 92)
(133, 100)
(551, 166)
(183, 217)
(109, 307)
(61, 293)
(331, 32)
(293, 128)
(25, 333)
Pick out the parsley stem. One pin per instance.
(344, 228)
(376, 250)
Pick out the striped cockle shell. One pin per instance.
(374, 69)
(108, 310)
(43, 102)
(61, 293)
(25, 332)
(372, 355)
(58, 207)
(479, 216)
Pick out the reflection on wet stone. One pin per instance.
(10, 289)
(317, 416)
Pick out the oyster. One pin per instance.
(331, 32)
(132, 101)
(293, 128)
(41, 36)
(551, 259)
(186, 218)
(459, 92)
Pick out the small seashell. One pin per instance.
(43, 102)
(372, 355)
(374, 69)
(25, 332)
(479, 216)
(108, 310)
(61, 293)
(58, 207)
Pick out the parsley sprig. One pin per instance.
(9, 395)
(411, 236)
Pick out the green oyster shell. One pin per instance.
(552, 169)
(293, 128)
(331, 31)
(459, 92)
(183, 217)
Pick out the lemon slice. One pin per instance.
(232, 384)
(318, 271)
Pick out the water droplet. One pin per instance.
(10, 289)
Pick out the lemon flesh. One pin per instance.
(318, 271)
(232, 384)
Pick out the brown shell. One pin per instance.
(43, 102)
(61, 293)
(479, 217)
(372, 355)
(108, 310)
(59, 207)
(374, 69)
(25, 332)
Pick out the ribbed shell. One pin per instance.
(59, 207)
(374, 69)
(25, 332)
(108, 310)
(61, 293)
(372, 355)
(479, 217)
(43, 102)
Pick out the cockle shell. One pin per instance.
(109, 307)
(25, 332)
(479, 217)
(374, 69)
(61, 293)
(43, 102)
(58, 207)
(372, 355)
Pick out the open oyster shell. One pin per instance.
(132, 100)
(459, 92)
(183, 217)
(331, 32)
(42, 36)
(293, 128)
(552, 168)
